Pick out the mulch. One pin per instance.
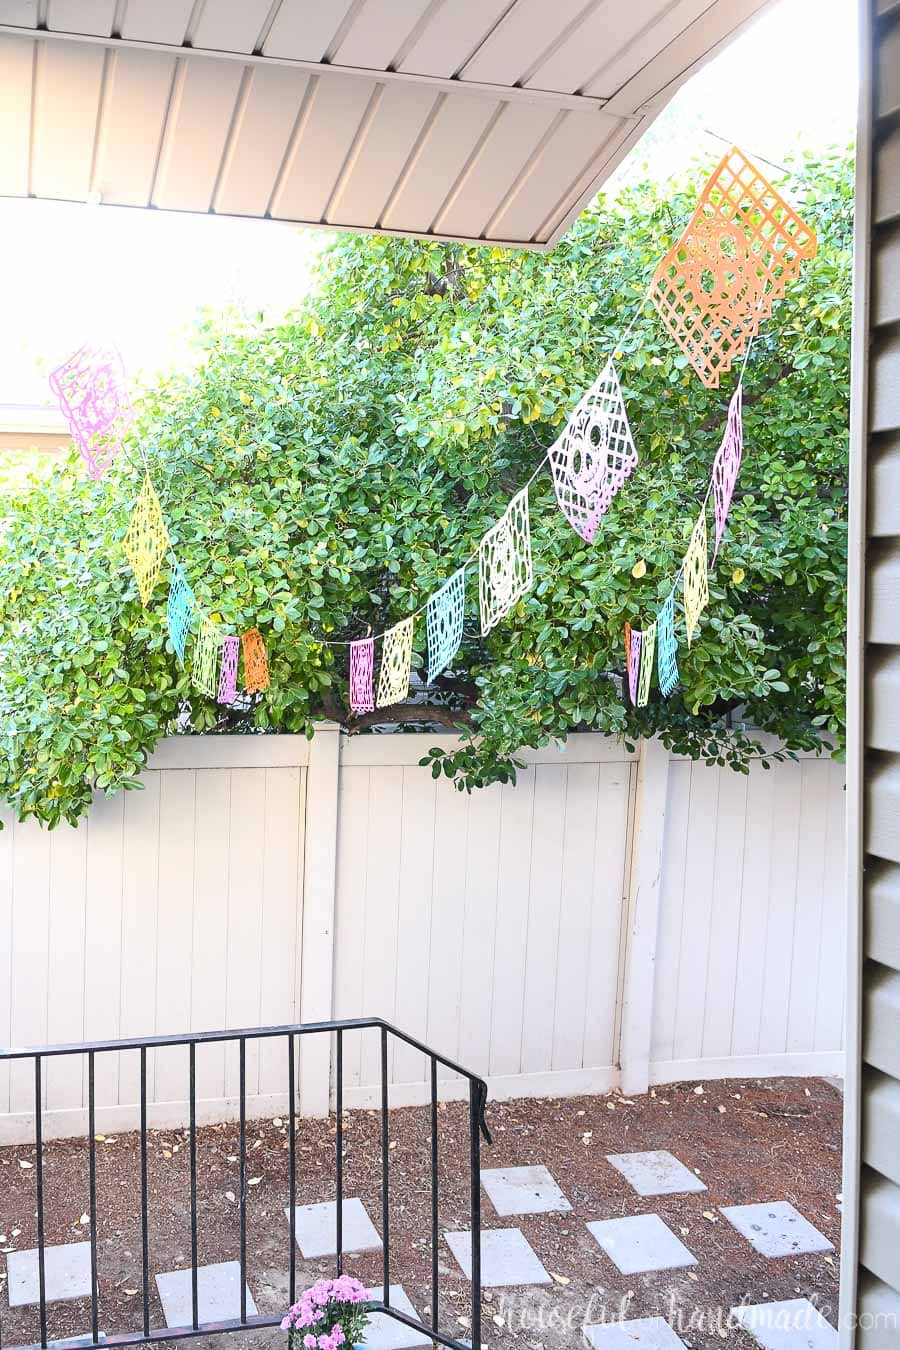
(750, 1141)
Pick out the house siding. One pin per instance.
(876, 1205)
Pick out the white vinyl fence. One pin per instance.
(612, 919)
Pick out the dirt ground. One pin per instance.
(749, 1141)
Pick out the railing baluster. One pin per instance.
(339, 1148)
(145, 1218)
(292, 1171)
(147, 1335)
(39, 1145)
(434, 1194)
(475, 1165)
(192, 1074)
(92, 1195)
(385, 1196)
(242, 1054)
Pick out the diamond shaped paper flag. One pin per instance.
(179, 611)
(207, 654)
(228, 670)
(648, 647)
(696, 582)
(739, 252)
(633, 659)
(92, 392)
(504, 562)
(594, 455)
(362, 667)
(146, 540)
(444, 623)
(666, 647)
(256, 662)
(396, 659)
(726, 465)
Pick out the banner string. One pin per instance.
(616, 353)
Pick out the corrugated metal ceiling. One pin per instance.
(481, 120)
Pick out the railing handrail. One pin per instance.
(239, 1033)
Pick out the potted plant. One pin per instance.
(331, 1314)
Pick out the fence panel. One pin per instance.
(750, 957)
(169, 910)
(489, 924)
(497, 926)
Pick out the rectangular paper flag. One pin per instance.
(504, 562)
(648, 646)
(396, 660)
(696, 583)
(444, 623)
(362, 667)
(667, 647)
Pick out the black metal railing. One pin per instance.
(89, 1050)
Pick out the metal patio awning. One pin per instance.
(479, 120)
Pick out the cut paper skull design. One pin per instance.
(739, 252)
(594, 455)
(92, 393)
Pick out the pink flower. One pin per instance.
(309, 1341)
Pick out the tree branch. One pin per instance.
(406, 713)
(784, 370)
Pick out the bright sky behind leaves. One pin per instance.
(138, 277)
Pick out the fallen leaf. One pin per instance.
(85, 1218)
(560, 1279)
(698, 1091)
(708, 1214)
(229, 1195)
(27, 1165)
(254, 1181)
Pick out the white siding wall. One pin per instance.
(509, 929)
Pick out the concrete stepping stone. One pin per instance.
(506, 1257)
(641, 1243)
(523, 1190)
(218, 1294)
(383, 1333)
(67, 1274)
(316, 1228)
(655, 1173)
(643, 1333)
(794, 1324)
(776, 1229)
